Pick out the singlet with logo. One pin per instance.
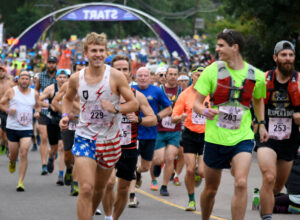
(129, 131)
(279, 114)
(94, 122)
(24, 104)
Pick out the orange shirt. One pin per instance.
(184, 104)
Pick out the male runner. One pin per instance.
(45, 79)
(282, 120)
(53, 129)
(5, 84)
(126, 166)
(232, 84)
(168, 136)
(19, 103)
(147, 135)
(71, 177)
(97, 145)
(192, 135)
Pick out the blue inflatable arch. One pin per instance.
(102, 12)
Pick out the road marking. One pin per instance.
(173, 204)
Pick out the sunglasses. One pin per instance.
(83, 63)
(230, 33)
(161, 75)
(198, 69)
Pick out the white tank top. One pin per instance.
(94, 122)
(24, 104)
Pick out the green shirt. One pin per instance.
(206, 85)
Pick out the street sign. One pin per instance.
(199, 23)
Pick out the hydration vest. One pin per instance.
(225, 90)
(293, 88)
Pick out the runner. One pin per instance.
(53, 129)
(43, 80)
(126, 166)
(192, 136)
(282, 120)
(19, 103)
(147, 135)
(97, 145)
(168, 136)
(71, 177)
(228, 135)
(5, 84)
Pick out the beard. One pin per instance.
(286, 69)
(24, 86)
(2, 77)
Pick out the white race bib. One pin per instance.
(280, 128)
(72, 125)
(198, 119)
(166, 123)
(125, 134)
(230, 117)
(24, 118)
(95, 114)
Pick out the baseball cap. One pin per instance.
(282, 45)
(52, 59)
(183, 77)
(3, 67)
(160, 70)
(63, 71)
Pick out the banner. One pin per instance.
(99, 13)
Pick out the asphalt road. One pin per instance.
(43, 199)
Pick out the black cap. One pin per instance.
(52, 59)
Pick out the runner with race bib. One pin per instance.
(282, 119)
(21, 100)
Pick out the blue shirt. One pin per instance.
(156, 97)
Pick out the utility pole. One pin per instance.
(195, 17)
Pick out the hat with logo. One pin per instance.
(282, 45)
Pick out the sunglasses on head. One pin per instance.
(230, 33)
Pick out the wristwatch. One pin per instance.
(117, 109)
(262, 122)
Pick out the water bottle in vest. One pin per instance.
(255, 202)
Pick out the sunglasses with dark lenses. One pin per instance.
(198, 69)
(83, 63)
(161, 75)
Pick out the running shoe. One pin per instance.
(68, 179)
(44, 170)
(12, 167)
(138, 179)
(191, 206)
(20, 187)
(198, 180)
(154, 185)
(176, 181)
(74, 190)
(164, 191)
(294, 209)
(156, 170)
(2, 150)
(50, 165)
(34, 147)
(60, 181)
(134, 203)
(98, 212)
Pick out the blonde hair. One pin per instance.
(94, 38)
